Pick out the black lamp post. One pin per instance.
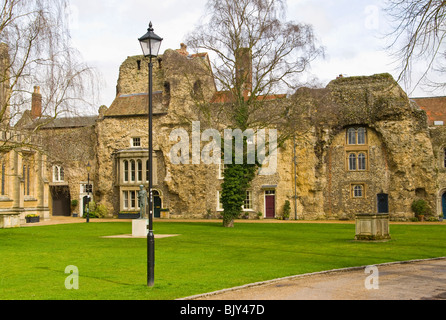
(150, 45)
(88, 191)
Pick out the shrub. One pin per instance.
(286, 209)
(101, 211)
(420, 207)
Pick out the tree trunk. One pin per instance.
(228, 222)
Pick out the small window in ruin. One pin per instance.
(352, 162)
(138, 63)
(361, 135)
(358, 191)
(356, 136)
(351, 136)
(361, 161)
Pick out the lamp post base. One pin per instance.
(150, 259)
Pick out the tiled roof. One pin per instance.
(136, 104)
(435, 108)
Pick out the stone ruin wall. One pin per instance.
(401, 156)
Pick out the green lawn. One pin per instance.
(204, 257)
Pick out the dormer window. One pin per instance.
(136, 142)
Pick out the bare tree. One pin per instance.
(418, 35)
(35, 50)
(257, 58)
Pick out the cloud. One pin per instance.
(106, 32)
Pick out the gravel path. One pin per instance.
(412, 280)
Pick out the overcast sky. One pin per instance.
(353, 33)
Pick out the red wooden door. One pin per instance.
(270, 206)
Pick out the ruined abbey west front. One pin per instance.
(376, 150)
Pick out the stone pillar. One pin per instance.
(372, 227)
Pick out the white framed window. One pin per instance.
(130, 200)
(247, 204)
(126, 171)
(139, 167)
(147, 171)
(136, 142)
(87, 188)
(58, 173)
(125, 196)
(219, 203)
(132, 170)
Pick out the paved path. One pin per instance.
(416, 280)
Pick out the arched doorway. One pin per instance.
(383, 202)
(61, 200)
(156, 204)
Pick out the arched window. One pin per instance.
(356, 136)
(444, 157)
(132, 170)
(351, 136)
(139, 163)
(58, 174)
(361, 161)
(147, 171)
(352, 162)
(361, 135)
(3, 179)
(126, 171)
(26, 179)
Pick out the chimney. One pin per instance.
(183, 50)
(36, 103)
(243, 70)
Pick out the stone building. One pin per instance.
(23, 179)
(369, 149)
(376, 153)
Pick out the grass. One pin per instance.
(204, 257)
